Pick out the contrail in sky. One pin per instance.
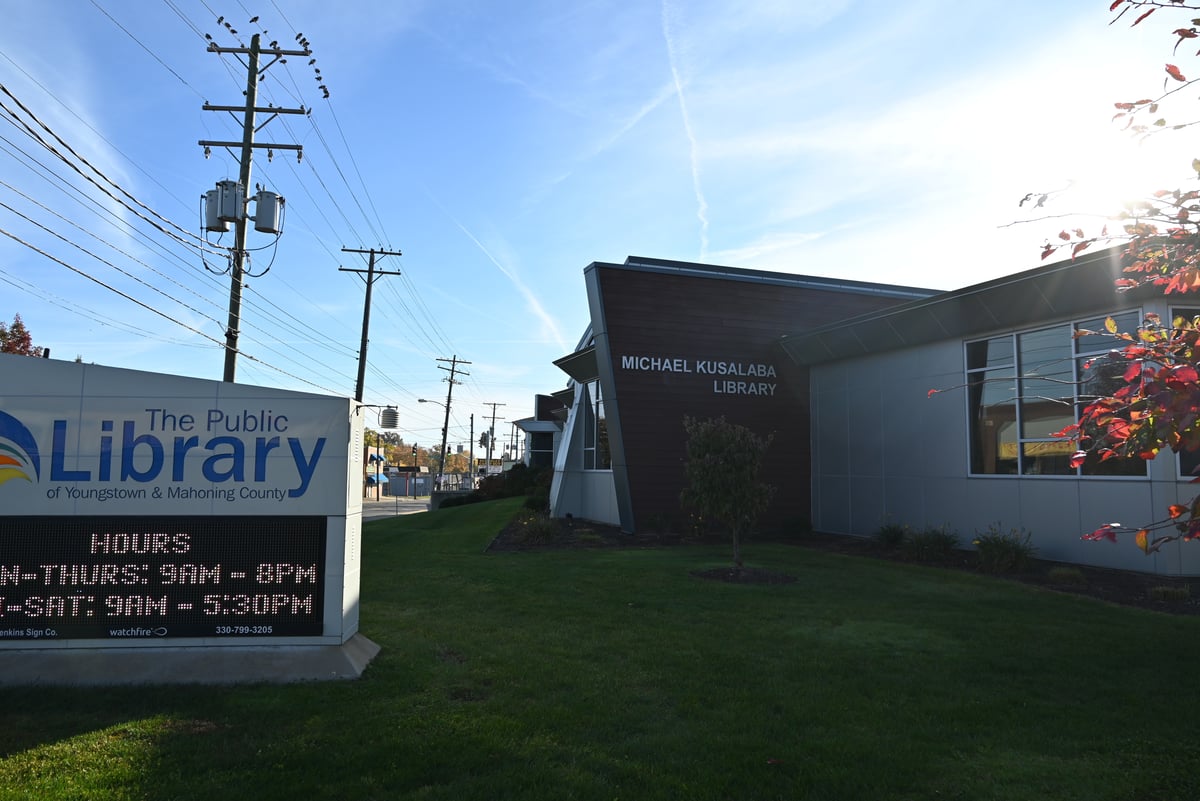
(701, 203)
(536, 305)
(525, 291)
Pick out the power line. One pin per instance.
(152, 54)
(87, 177)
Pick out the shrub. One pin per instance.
(1066, 575)
(460, 500)
(891, 535)
(518, 480)
(538, 500)
(536, 528)
(931, 544)
(1171, 592)
(1004, 551)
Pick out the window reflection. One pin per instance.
(1023, 388)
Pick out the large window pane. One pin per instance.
(1024, 388)
(1132, 466)
(995, 352)
(1052, 458)
(589, 429)
(1188, 461)
(596, 455)
(1127, 323)
(603, 455)
(1047, 381)
(1101, 376)
(993, 402)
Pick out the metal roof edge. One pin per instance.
(696, 269)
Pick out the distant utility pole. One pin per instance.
(453, 368)
(366, 324)
(492, 435)
(238, 215)
(472, 462)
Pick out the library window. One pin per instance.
(1024, 387)
(596, 455)
(1188, 461)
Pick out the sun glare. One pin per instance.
(1103, 175)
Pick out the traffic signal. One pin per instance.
(414, 450)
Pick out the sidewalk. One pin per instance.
(393, 506)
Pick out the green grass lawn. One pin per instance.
(616, 674)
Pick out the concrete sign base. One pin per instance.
(275, 664)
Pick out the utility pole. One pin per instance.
(492, 435)
(366, 324)
(471, 470)
(453, 368)
(247, 146)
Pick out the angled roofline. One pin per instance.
(1070, 288)
(652, 265)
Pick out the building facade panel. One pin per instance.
(928, 479)
(680, 340)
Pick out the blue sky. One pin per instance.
(503, 146)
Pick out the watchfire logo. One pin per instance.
(19, 456)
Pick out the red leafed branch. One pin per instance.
(1151, 402)
(1156, 408)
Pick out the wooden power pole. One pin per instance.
(372, 274)
(247, 145)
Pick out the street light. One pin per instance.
(445, 425)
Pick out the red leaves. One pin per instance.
(1118, 429)
(1069, 431)
(1176, 510)
(1172, 70)
(1106, 532)
(1184, 374)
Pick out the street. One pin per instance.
(391, 507)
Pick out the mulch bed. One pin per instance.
(1124, 587)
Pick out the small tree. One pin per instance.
(1155, 405)
(15, 339)
(722, 468)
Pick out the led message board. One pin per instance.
(139, 577)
